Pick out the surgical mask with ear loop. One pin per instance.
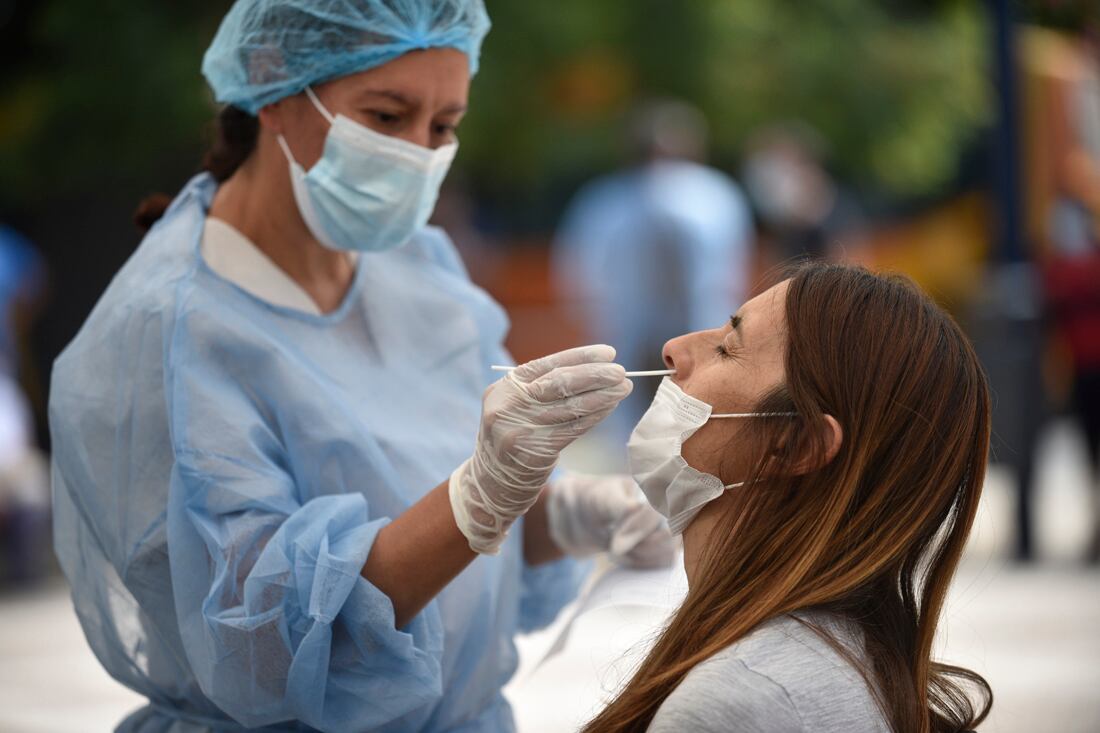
(673, 488)
(369, 192)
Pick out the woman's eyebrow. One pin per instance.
(405, 100)
(735, 324)
(390, 95)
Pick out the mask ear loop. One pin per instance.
(286, 150)
(751, 414)
(318, 106)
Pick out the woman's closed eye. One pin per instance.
(725, 351)
(726, 348)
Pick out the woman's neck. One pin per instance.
(698, 533)
(257, 200)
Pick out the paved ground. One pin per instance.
(1033, 632)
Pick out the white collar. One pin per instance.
(234, 257)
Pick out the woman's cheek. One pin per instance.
(704, 448)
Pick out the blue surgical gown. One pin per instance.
(222, 466)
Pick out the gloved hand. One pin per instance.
(527, 418)
(589, 514)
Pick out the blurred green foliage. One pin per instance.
(898, 88)
(110, 88)
(898, 94)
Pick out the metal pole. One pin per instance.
(1009, 246)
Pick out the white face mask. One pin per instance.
(674, 488)
(368, 192)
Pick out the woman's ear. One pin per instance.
(831, 437)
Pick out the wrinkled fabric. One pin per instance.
(677, 490)
(266, 50)
(222, 466)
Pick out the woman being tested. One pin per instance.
(284, 497)
(823, 455)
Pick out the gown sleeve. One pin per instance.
(277, 622)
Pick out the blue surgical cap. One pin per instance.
(266, 50)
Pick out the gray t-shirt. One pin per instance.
(781, 678)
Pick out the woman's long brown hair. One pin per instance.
(875, 534)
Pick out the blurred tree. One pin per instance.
(1070, 15)
(102, 87)
(897, 87)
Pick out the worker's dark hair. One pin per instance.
(233, 138)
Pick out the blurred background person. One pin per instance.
(803, 211)
(659, 248)
(24, 483)
(1062, 79)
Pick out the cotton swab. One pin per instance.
(651, 373)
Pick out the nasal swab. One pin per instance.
(650, 373)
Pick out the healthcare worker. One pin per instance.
(288, 494)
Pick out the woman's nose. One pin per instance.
(676, 356)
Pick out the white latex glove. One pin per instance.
(527, 418)
(590, 514)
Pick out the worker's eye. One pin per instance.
(385, 118)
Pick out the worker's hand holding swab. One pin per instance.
(527, 418)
